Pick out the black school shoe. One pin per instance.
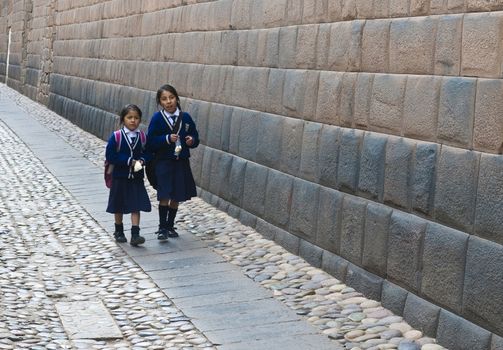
(136, 239)
(172, 233)
(162, 234)
(120, 237)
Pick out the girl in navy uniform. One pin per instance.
(170, 135)
(128, 194)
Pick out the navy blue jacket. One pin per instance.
(123, 158)
(158, 142)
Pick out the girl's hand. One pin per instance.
(189, 140)
(173, 137)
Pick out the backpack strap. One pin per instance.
(118, 139)
(143, 138)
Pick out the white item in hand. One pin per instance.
(137, 166)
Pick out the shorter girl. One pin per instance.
(125, 151)
(170, 135)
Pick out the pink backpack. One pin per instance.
(109, 168)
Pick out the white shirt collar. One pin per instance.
(176, 114)
(130, 132)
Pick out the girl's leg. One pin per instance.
(119, 228)
(173, 208)
(135, 229)
(162, 234)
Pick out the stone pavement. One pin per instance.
(220, 285)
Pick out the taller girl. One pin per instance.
(170, 135)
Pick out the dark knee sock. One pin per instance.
(119, 228)
(135, 230)
(163, 214)
(171, 217)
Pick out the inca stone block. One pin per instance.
(455, 114)
(488, 218)
(443, 265)
(271, 57)
(257, 95)
(345, 46)
(248, 134)
(346, 99)
(373, 154)
(448, 45)
(496, 343)
(269, 139)
(287, 46)
(349, 159)
(287, 240)
(206, 167)
(254, 188)
(456, 187)
(419, 7)
(363, 93)
(220, 175)
(323, 41)
(404, 249)
(375, 46)
(329, 90)
(386, 106)
(225, 134)
(454, 332)
(328, 233)
(215, 122)
(278, 198)
(291, 147)
(352, 228)
(365, 282)
(275, 91)
(375, 242)
(488, 125)
(483, 290)
(399, 153)
(421, 314)
(334, 265)
(309, 162)
(412, 45)
(235, 127)
(423, 177)
(393, 297)
(420, 107)
(328, 155)
(303, 214)
(236, 180)
(310, 252)
(306, 46)
(481, 52)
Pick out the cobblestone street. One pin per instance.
(54, 251)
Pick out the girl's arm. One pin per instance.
(111, 154)
(155, 139)
(192, 132)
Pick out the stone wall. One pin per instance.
(362, 135)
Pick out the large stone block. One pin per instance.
(420, 107)
(349, 159)
(456, 187)
(241, 78)
(352, 228)
(488, 125)
(393, 297)
(496, 343)
(254, 188)
(287, 46)
(412, 45)
(241, 14)
(278, 198)
(419, 7)
(206, 168)
(363, 93)
(235, 127)
(404, 249)
(273, 12)
(386, 104)
(448, 45)
(225, 133)
(454, 332)
(291, 147)
(236, 180)
(328, 155)
(329, 90)
(287, 240)
(423, 177)
(444, 265)
(269, 139)
(274, 95)
(375, 46)
(371, 176)
(421, 314)
(323, 41)
(309, 162)
(456, 108)
(483, 290)
(248, 134)
(398, 168)
(303, 213)
(258, 94)
(334, 265)
(215, 122)
(488, 218)
(481, 51)
(346, 99)
(345, 46)
(365, 282)
(375, 242)
(294, 89)
(328, 232)
(310, 252)
(220, 169)
(306, 46)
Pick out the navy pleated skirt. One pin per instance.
(128, 196)
(175, 180)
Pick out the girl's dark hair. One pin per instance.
(167, 87)
(126, 109)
